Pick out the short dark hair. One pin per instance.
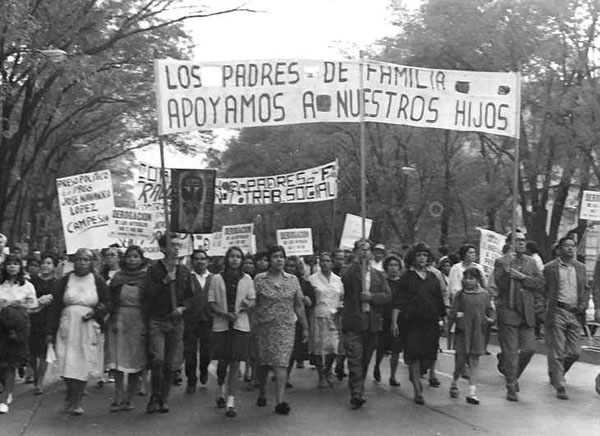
(462, 251)
(260, 255)
(568, 237)
(358, 242)
(473, 272)
(200, 250)
(275, 249)
(49, 255)
(162, 239)
(419, 247)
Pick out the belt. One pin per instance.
(566, 307)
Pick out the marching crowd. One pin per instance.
(116, 314)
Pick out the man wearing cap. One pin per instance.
(378, 256)
(517, 279)
(567, 298)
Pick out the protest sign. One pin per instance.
(353, 231)
(128, 223)
(590, 206)
(148, 190)
(239, 235)
(212, 243)
(207, 95)
(86, 203)
(309, 185)
(193, 200)
(297, 242)
(490, 249)
(313, 184)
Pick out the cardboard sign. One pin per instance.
(193, 200)
(490, 249)
(148, 190)
(590, 206)
(86, 203)
(207, 95)
(313, 184)
(297, 242)
(352, 231)
(239, 235)
(128, 223)
(212, 243)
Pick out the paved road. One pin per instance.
(389, 411)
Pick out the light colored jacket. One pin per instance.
(217, 294)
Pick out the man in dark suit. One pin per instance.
(365, 292)
(197, 323)
(517, 280)
(567, 298)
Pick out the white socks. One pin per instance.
(230, 401)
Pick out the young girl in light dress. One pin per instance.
(471, 312)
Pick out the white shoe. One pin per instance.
(3, 408)
(9, 399)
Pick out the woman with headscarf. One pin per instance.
(279, 303)
(126, 333)
(80, 304)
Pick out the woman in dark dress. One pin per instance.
(418, 309)
(44, 283)
(388, 343)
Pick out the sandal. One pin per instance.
(453, 391)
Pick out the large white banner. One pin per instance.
(313, 184)
(490, 249)
(309, 185)
(207, 95)
(352, 231)
(297, 242)
(86, 203)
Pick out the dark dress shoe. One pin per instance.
(261, 401)
(419, 399)
(283, 408)
(472, 400)
(152, 406)
(394, 382)
(231, 413)
(434, 382)
(203, 378)
(377, 375)
(220, 402)
(163, 407)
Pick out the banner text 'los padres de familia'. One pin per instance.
(203, 96)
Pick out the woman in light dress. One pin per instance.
(324, 335)
(80, 304)
(126, 333)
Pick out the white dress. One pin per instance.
(79, 343)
